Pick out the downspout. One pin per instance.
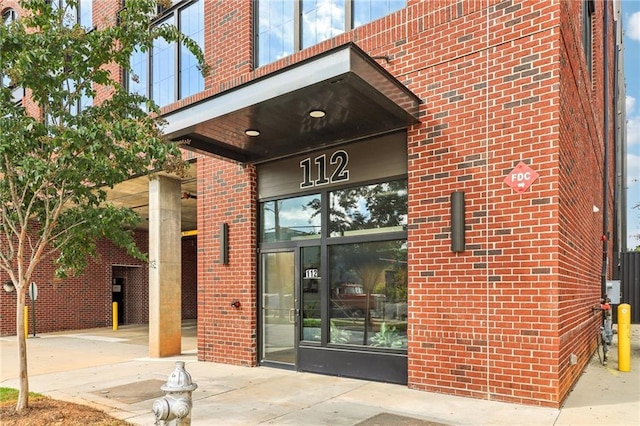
(605, 183)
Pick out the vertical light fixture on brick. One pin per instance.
(224, 243)
(457, 221)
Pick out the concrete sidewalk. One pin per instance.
(111, 371)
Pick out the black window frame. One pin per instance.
(164, 14)
(9, 11)
(325, 241)
(349, 25)
(85, 101)
(77, 11)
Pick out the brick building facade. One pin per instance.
(460, 93)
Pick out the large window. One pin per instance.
(359, 295)
(367, 270)
(321, 20)
(170, 72)
(163, 69)
(286, 26)
(192, 25)
(78, 13)
(368, 294)
(82, 14)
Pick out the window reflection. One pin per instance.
(163, 70)
(80, 101)
(171, 79)
(138, 76)
(311, 290)
(359, 296)
(368, 209)
(368, 294)
(275, 30)
(81, 13)
(86, 13)
(281, 32)
(365, 11)
(321, 20)
(191, 25)
(291, 219)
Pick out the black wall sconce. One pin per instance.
(236, 304)
(457, 221)
(224, 243)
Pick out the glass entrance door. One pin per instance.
(279, 314)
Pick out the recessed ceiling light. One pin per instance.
(317, 113)
(252, 132)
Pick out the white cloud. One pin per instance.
(633, 170)
(633, 122)
(633, 130)
(633, 27)
(324, 21)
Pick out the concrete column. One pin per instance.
(165, 267)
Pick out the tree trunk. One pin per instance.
(23, 396)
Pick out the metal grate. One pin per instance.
(630, 283)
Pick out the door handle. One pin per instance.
(293, 313)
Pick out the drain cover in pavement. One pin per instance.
(388, 419)
(134, 392)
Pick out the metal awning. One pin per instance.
(359, 97)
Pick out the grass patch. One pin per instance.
(10, 395)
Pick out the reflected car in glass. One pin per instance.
(351, 300)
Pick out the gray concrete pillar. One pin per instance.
(165, 267)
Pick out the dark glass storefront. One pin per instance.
(333, 267)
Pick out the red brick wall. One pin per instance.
(502, 82)
(226, 194)
(484, 321)
(581, 172)
(85, 301)
(79, 302)
(499, 320)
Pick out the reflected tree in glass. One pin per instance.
(369, 265)
(290, 219)
(378, 206)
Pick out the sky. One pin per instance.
(631, 28)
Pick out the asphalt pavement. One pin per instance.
(111, 370)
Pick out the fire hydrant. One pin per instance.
(174, 408)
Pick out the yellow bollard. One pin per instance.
(624, 337)
(26, 322)
(114, 313)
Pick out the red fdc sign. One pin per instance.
(521, 177)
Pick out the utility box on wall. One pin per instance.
(613, 291)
